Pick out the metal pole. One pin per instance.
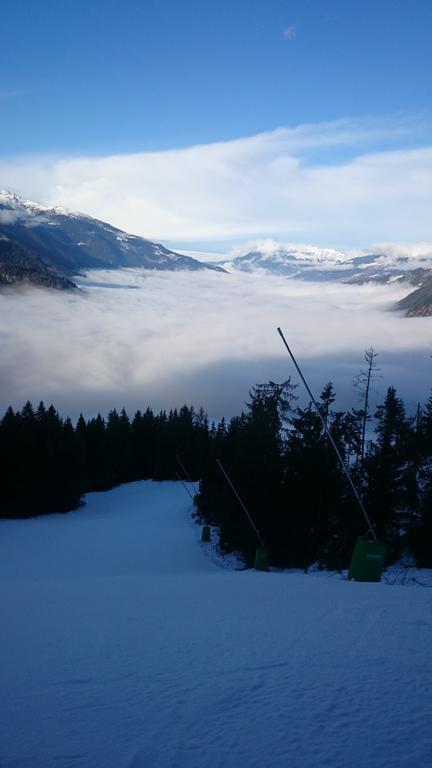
(185, 487)
(243, 506)
(328, 433)
(186, 473)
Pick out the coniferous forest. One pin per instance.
(276, 454)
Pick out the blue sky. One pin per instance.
(123, 75)
(97, 79)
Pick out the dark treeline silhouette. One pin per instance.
(276, 453)
(48, 464)
(289, 478)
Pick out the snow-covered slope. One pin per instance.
(71, 241)
(124, 646)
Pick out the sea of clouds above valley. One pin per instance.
(135, 338)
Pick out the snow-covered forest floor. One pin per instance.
(126, 645)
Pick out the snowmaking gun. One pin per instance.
(367, 562)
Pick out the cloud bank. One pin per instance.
(135, 338)
(342, 184)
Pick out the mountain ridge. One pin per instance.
(310, 262)
(67, 242)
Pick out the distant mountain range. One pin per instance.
(288, 261)
(47, 246)
(308, 262)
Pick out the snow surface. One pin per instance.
(125, 646)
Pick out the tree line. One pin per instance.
(289, 478)
(276, 453)
(49, 464)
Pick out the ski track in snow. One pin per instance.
(125, 646)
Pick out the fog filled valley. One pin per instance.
(132, 338)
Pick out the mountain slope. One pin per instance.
(419, 302)
(17, 266)
(70, 242)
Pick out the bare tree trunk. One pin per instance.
(370, 356)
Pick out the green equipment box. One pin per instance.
(367, 561)
(261, 559)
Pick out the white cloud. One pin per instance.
(9, 217)
(266, 185)
(201, 338)
(413, 251)
(290, 32)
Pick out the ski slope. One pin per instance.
(124, 645)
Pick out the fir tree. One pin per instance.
(386, 468)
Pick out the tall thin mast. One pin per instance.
(329, 435)
(184, 486)
(243, 506)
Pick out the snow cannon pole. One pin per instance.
(242, 505)
(329, 436)
(186, 473)
(185, 487)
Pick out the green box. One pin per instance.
(261, 559)
(206, 533)
(367, 561)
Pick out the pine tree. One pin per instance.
(386, 468)
(327, 399)
(421, 532)
(425, 427)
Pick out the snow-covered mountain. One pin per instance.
(69, 242)
(290, 260)
(388, 263)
